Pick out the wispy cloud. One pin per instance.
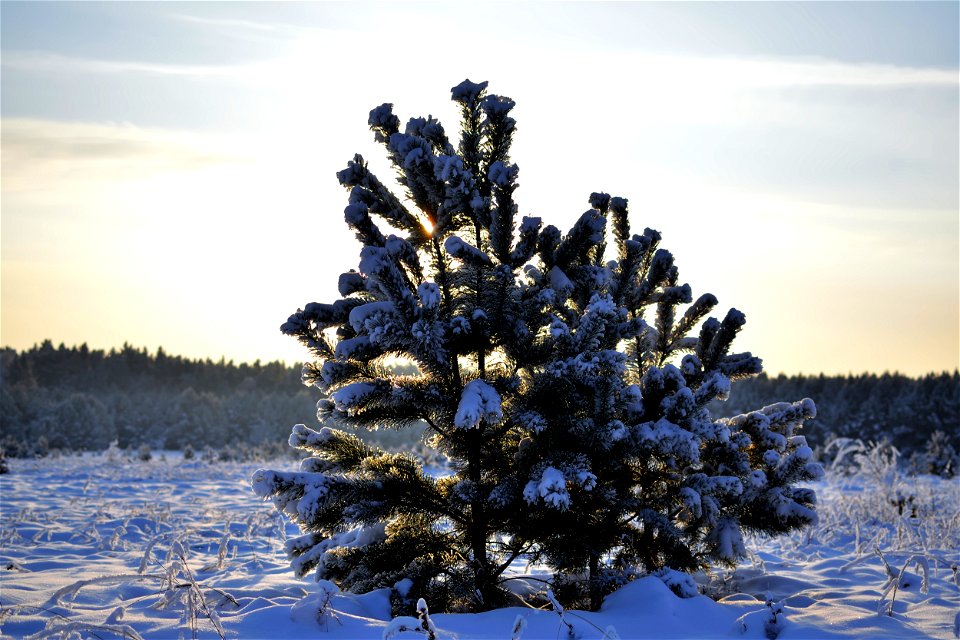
(47, 159)
(47, 62)
(785, 72)
(306, 48)
(241, 28)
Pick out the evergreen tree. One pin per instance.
(558, 376)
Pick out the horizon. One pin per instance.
(168, 169)
(223, 359)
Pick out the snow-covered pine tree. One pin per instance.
(556, 375)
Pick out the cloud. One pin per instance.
(248, 29)
(48, 62)
(63, 156)
(644, 68)
(786, 72)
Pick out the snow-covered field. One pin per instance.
(93, 547)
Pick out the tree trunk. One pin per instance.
(478, 523)
(596, 596)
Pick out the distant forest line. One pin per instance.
(76, 398)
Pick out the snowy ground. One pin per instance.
(94, 548)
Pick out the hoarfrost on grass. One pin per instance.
(56, 512)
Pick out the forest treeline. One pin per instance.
(888, 407)
(77, 398)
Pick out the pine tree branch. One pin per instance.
(521, 549)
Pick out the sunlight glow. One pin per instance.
(427, 225)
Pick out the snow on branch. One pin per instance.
(468, 91)
(479, 401)
(466, 252)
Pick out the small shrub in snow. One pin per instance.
(678, 582)
(772, 620)
(113, 453)
(875, 462)
(325, 612)
(776, 622)
(421, 624)
(939, 457)
(566, 376)
(41, 448)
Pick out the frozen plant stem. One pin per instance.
(196, 594)
(558, 608)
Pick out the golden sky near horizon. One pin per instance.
(168, 169)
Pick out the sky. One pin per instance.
(168, 169)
